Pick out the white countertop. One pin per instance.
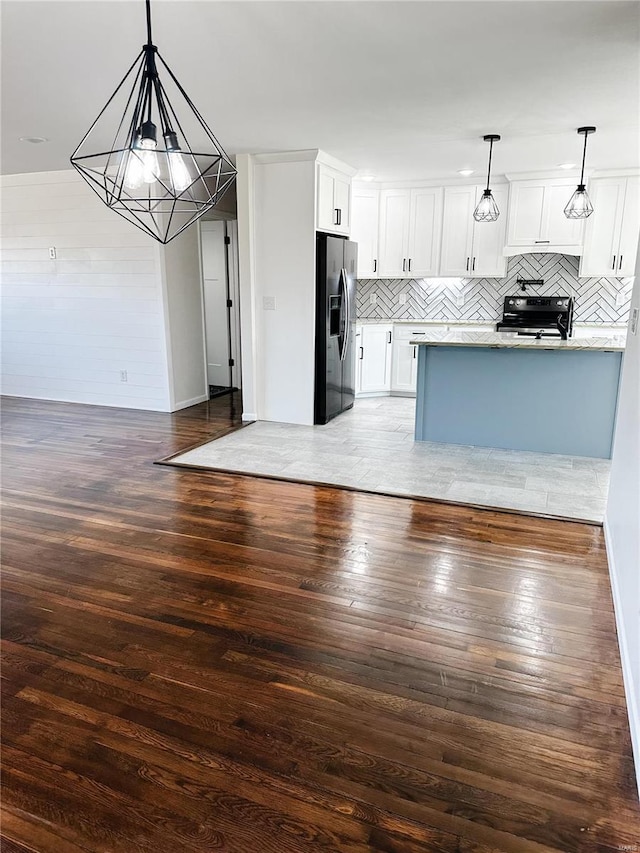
(511, 340)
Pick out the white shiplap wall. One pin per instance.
(71, 325)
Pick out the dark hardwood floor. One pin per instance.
(204, 662)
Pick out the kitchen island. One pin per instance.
(495, 389)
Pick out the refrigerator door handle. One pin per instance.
(347, 314)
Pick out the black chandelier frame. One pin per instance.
(162, 210)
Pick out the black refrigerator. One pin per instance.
(335, 374)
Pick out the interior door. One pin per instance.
(214, 274)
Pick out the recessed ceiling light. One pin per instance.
(567, 166)
(36, 140)
(465, 172)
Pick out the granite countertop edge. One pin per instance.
(506, 340)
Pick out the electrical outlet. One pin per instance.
(402, 299)
(634, 321)
(269, 303)
(123, 376)
(373, 298)
(620, 298)
(460, 300)
(52, 252)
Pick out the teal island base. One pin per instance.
(545, 400)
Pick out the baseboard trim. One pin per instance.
(249, 416)
(627, 672)
(184, 404)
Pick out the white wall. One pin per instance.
(284, 259)
(182, 292)
(622, 524)
(70, 325)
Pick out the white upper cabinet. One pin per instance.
(333, 212)
(457, 231)
(425, 229)
(472, 249)
(410, 232)
(611, 234)
(394, 232)
(536, 220)
(364, 230)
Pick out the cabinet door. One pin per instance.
(359, 354)
(394, 229)
(364, 230)
(457, 231)
(425, 232)
(405, 360)
(325, 217)
(376, 358)
(342, 203)
(630, 229)
(557, 230)
(487, 258)
(525, 214)
(602, 232)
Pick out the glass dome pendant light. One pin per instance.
(138, 157)
(579, 205)
(487, 209)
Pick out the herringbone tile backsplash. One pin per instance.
(597, 300)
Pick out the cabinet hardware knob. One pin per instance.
(473, 265)
(414, 351)
(620, 263)
(541, 241)
(375, 265)
(467, 264)
(338, 216)
(361, 353)
(409, 264)
(613, 265)
(389, 341)
(404, 265)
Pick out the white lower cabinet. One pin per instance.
(373, 356)
(404, 368)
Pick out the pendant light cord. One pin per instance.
(489, 169)
(148, 5)
(584, 156)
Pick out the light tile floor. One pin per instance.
(371, 447)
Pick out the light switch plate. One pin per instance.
(634, 321)
(402, 299)
(373, 298)
(460, 300)
(269, 303)
(620, 298)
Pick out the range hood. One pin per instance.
(542, 248)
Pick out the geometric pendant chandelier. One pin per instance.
(579, 205)
(487, 209)
(150, 156)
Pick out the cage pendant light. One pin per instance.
(487, 209)
(149, 155)
(579, 205)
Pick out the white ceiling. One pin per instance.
(397, 89)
